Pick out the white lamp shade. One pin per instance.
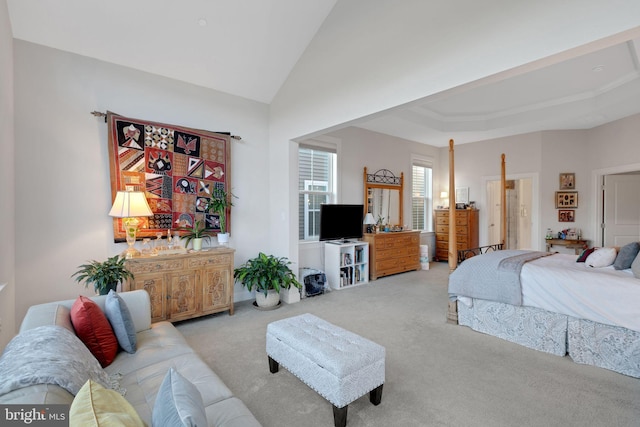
(368, 219)
(129, 204)
(444, 194)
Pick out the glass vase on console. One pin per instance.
(130, 226)
(146, 249)
(158, 243)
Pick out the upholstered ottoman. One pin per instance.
(340, 365)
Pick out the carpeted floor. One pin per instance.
(437, 374)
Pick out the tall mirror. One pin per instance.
(383, 196)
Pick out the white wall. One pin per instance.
(612, 147)
(62, 170)
(542, 155)
(371, 55)
(565, 151)
(360, 148)
(7, 181)
(479, 162)
(375, 150)
(614, 144)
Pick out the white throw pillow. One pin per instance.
(602, 257)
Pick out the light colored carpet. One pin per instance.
(437, 374)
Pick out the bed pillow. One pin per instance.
(627, 254)
(583, 256)
(94, 330)
(602, 257)
(635, 267)
(121, 321)
(96, 406)
(178, 403)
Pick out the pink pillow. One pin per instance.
(93, 328)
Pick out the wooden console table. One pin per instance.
(183, 286)
(577, 245)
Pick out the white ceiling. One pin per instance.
(579, 93)
(242, 47)
(248, 48)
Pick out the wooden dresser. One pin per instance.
(394, 252)
(187, 285)
(466, 231)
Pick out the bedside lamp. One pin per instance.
(444, 196)
(129, 205)
(369, 221)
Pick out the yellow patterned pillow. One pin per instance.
(96, 406)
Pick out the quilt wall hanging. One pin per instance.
(176, 167)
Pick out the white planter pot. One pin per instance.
(197, 244)
(223, 238)
(271, 300)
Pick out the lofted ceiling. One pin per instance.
(248, 48)
(242, 47)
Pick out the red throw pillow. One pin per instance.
(93, 328)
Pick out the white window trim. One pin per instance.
(427, 162)
(312, 183)
(326, 143)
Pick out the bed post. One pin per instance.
(452, 310)
(453, 247)
(503, 204)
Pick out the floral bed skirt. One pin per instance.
(586, 342)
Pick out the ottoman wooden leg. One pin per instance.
(273, 365)
(340, 416)
(375, 395)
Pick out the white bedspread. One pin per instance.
(560, 284)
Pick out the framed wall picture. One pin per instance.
(566, 215)
(567, 181)
(462, 195)
(566, 199)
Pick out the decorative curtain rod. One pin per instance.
(101, 114)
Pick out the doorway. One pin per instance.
(621, 213)
(519, 201)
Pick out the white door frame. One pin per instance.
(597, 177)
(536, 239)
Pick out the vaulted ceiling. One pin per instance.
(248, 48)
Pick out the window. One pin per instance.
(316, 185)
(421, 196)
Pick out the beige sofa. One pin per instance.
(159, 347)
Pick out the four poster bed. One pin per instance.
(547, 302)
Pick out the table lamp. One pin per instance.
(129, 205)
(369, 221)
(444, 196)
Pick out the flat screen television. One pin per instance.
(341, 222)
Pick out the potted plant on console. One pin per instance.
(219, 203)
(196, 233)
(103, 275)
(266, 274)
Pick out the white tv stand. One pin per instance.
(346, 264)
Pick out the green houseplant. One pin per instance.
(218, 203)
(196, 233)
(267, 274)
(103, 275)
